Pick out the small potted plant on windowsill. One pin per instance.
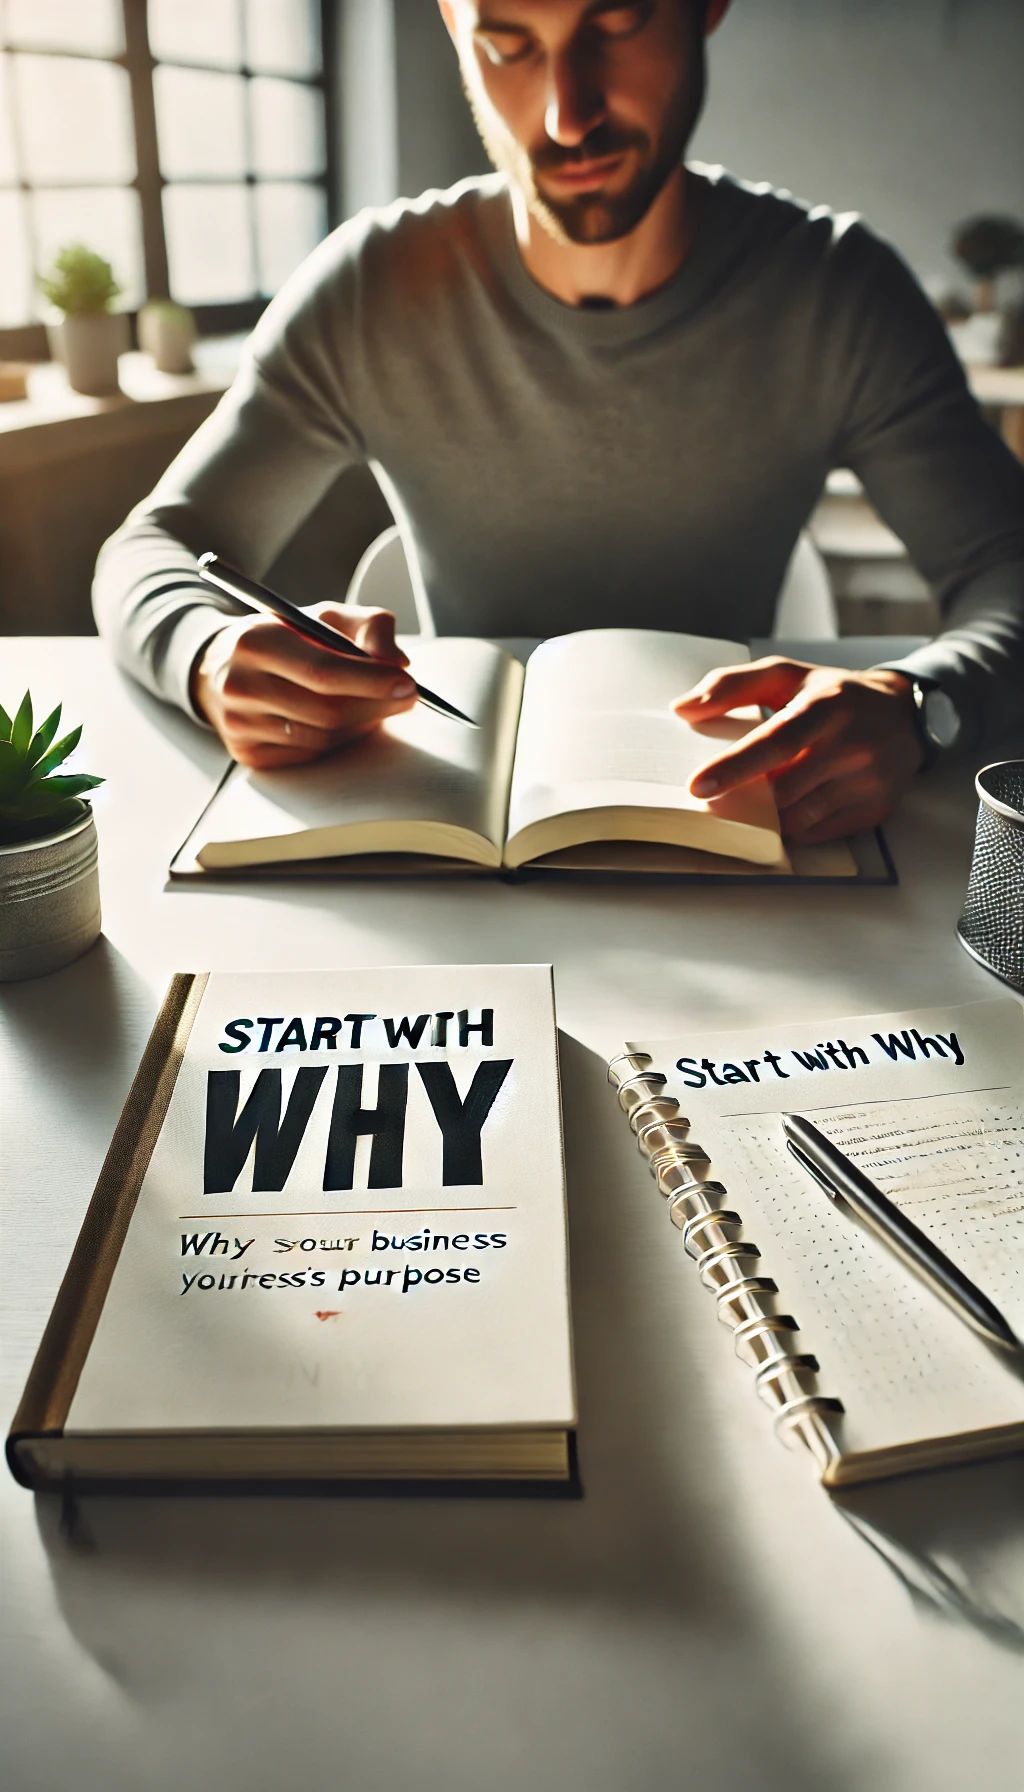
(167, 331)
(49, 884)
(90, 336)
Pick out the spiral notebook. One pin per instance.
(857, 1360)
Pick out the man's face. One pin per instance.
(586, 105)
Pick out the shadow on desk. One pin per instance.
(945, 1536)
(99, 999)
(189, 737)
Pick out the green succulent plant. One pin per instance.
(80, 283)
(33, 802)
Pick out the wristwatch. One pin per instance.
(936, 718)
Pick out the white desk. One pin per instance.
(704, 1616)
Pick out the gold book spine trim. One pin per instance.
(69, 1333)
(729, 1265)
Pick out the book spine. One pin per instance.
(76, 1310)
(729, 1265)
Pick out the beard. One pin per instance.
(598, 216)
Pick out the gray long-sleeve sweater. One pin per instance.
(555, 468)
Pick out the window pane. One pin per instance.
(8, 165)
(290, 221)
(283, 36)
(75, 119)
(200, 122)
(66, 25)
(287, 127)
(209, 246)
(107, 220)
(203, 31)
(17, 302)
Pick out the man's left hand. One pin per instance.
(840, 747)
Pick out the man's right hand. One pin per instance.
(276, 699)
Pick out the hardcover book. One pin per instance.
(328, 1243)
(578, 764)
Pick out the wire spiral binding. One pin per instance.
(765, 1338)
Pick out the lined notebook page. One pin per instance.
(945, 1140)
(902, 1364)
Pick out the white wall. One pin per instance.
(368, 104)
(437, 139)
(910, 111)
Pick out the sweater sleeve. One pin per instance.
(240, 487)
(942, 479)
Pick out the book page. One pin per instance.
(597, 734)
(829, 859)
(954, 1165)
(345, 1259)
(931, 1107)
(420, 783)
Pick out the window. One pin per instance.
(185, 140)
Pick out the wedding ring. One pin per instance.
(288, 729)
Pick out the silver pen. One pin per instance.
(842, 1181)
(260, 597)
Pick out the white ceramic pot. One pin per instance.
(49, 901)
(89, 347)
(167, 331)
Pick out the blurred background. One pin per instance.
(200, 148)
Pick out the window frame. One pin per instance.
(27, 342)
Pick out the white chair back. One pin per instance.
(806, 609)
(382, 581)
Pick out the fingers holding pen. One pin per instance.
(266, 739)
(277, 699)
(281, 651)
(261, 701)
(268, 665)
(372, 630)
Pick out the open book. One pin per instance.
(855, 1357)
(577, 763)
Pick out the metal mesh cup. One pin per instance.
(992, 924)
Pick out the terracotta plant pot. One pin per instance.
(49, 900)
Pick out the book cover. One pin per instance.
(329, 1239)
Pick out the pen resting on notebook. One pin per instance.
(843, 1181)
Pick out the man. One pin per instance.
(598, 388)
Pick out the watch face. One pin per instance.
(941, 719)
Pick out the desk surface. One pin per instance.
(704, 1616)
